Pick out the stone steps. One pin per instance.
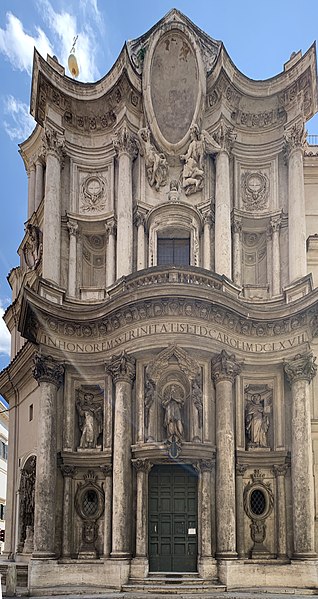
(173, 584)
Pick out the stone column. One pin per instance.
(206, 562)
(237, 250)
(31, 189)
(223, 242)
(107, 471)
(240, 471)
(280, 473)
(68, 473)
(207, 222)
(140, 224)
(275, 224)
(125, 146)
(300, 371)
(140, 563)
(295, 138)
(122, 369)
(49, 375)
(110, 262)
(54, 146)
(72, 262)
(224, 371)
(38, 183)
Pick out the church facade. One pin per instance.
(164, 321)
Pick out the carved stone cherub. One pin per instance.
(156, 162)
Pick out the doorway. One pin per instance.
(173, 519)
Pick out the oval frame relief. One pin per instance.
(159, 38)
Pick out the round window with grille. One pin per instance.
(89, 501)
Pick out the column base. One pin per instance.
(207, 567)
(120, 555)
(226, 555)
(43, 555)
(139, 568)
(304, 556)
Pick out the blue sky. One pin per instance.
(259, 36)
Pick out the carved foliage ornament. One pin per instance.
(254, 189)
(225, 367)
(53, 143)
(122, 367)
(124, 142)
(301, 368)
(47, 370)
(295, 137)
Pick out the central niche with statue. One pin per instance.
(173, 400)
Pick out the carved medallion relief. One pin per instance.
(254, 190)
(93, 194)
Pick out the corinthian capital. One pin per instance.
(142, 465)
(301, 368)
(122, 367)
(225, 367)
(225, 137)
(295, 138)
(53, 143)
(125, 143)
(47, 370)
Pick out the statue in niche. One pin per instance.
(193, 169)
(197, 399)
(90, 416)
(32, 249)
(257, 410)
(173, 401)
(156, 162)
(149, 398)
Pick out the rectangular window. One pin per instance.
(2, 511)
(30, 412)
(173, 252)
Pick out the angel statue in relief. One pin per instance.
(193, 169)
(156, 162)
(90, 420)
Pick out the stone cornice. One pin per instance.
(210, 303)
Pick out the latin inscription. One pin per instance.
(114, 342)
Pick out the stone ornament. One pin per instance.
(196, 394)
(93, 194)
(26, 507)
(200, 145)
(160, 363)
(142, 465)
(258, 501)
(33, 247)
(47, 370)
(255, 190)
(72, 227)
(206, 465)
(155, 162)
(106, 469)
(174, 193)
(258, 406)
(125, 143)
(149, 398)
(90, 418)
(301, 368)
(68, 471)
(280, 469)
(225, 137)
(122, 367)
(225, 367)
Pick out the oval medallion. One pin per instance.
(174, 85)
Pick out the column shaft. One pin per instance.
(223, 246)
(31, 190)
(240, 510)
(140, 246)
(280, 472)
(52, 220)
(38, 183)
(206, 516)
(68, 472)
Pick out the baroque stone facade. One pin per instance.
(164, 323)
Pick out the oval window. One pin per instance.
(257, 502)
(90, 503)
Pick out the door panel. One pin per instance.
(173, 519)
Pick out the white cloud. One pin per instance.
(5, 337)
(64, 26)
(21, 123)
(18, 46)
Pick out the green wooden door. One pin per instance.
(173, 519)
